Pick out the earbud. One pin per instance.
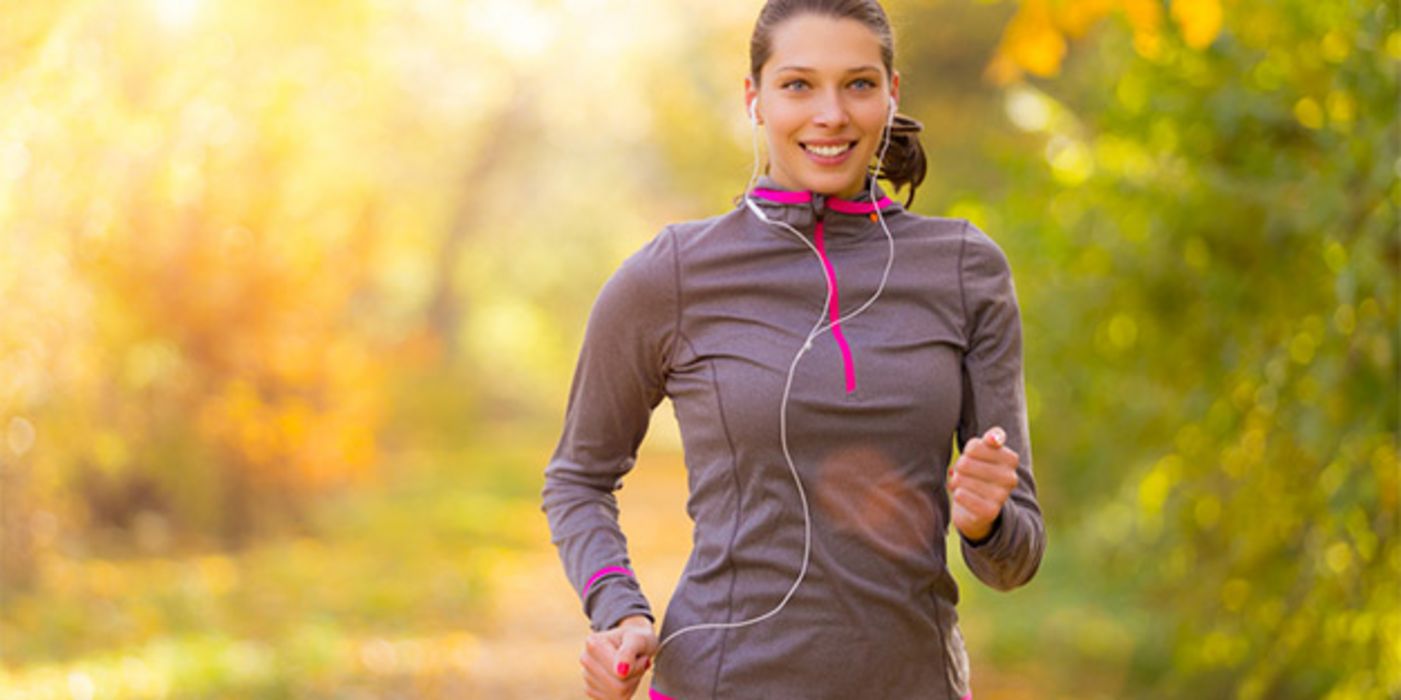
(753, 112)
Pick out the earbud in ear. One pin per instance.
(753, 112)
(893, 106)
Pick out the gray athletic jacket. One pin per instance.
(711, 314)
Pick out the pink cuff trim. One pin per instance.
(605, 571)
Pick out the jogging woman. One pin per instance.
(825, 349)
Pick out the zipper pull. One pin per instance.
(819, 205)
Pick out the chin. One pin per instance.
(821, 183)
(834, 186)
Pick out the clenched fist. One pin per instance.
(614, 660)
(980, 482)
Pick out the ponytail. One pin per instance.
(904, 162)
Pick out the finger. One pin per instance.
(599, 679)
(977, 505)
(996, 474)
(991, 491)
(987, 451)
(603, 646)
(599, 694)
(592, 688)
(598, 655)
(632, 670)
(630, 687)
(962, 518)
(634, 655)
(995, 437)
(608, 640)
(984, 466)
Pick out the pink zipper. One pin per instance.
(835, 309)
(841, 206)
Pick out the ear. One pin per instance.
(895, 86)
(751, 100)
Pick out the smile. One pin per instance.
(828, 151)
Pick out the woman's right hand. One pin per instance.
(615, 660)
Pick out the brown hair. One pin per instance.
(904, 162)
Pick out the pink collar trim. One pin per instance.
(836, 204)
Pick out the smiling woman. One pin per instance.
(729, 317)
(824, 109)
(824, 105)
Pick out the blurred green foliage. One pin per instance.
(1207, 246)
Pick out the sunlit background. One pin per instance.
(290, 296)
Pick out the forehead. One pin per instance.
(823, 43)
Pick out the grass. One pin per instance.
(442, 583)
(390, 588)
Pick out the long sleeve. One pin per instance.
(994, 394)
(618, 380)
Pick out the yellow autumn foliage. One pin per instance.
(1199, 20)
(1035, 41)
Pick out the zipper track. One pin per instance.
(834, 310)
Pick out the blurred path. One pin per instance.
(530, 644)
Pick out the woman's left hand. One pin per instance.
(980, 481)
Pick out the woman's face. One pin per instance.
(823, 100)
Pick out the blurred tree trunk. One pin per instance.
(16, 537)
(445, 310)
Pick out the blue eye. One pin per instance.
(794, 84)
(863, 83)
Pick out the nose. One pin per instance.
(831, 111)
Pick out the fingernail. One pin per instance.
(623, 669)
(649, 665)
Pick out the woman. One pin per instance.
(823, 347)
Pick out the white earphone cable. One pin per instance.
(807, 345)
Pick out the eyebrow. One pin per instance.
(805, 69)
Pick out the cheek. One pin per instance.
(873, 119)
(782, 125)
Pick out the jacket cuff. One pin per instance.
(612, 599)
(992, 532)
(995, 540)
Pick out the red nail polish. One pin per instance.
(649, 665)
(623, 669)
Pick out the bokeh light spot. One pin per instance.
(176, 14)
(20, 436)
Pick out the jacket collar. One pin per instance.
(801, 208)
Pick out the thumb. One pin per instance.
(996, 437)
(630, 653)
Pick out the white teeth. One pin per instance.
(829, 151)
